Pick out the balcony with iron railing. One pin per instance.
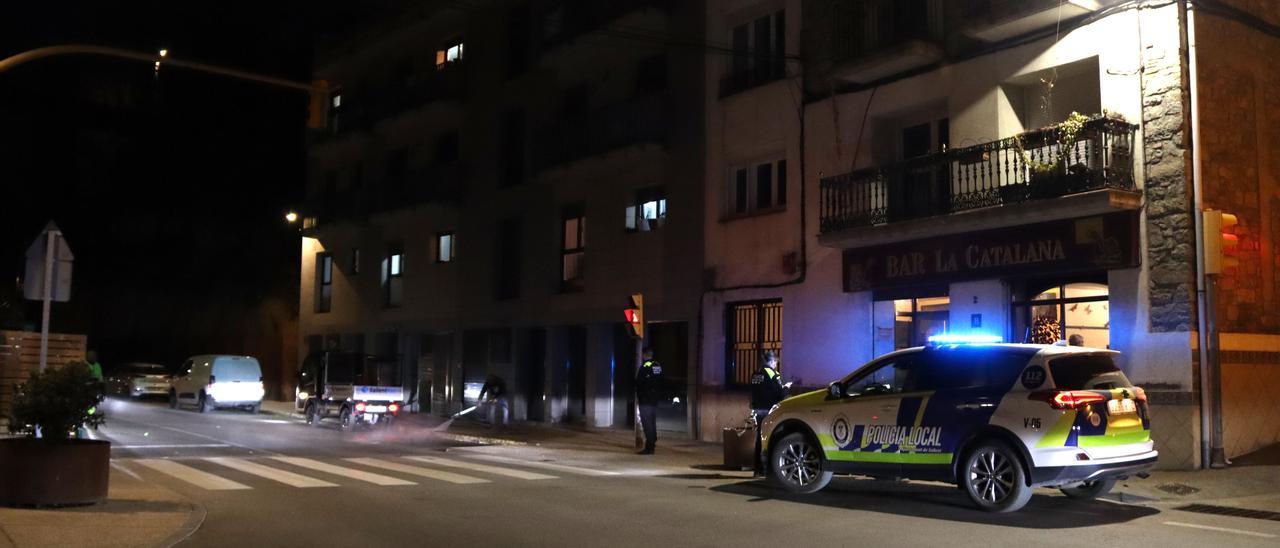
(1025, 172)
(645, 120)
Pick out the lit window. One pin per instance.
(445, 247)
(393, 276)
(337, 100)
(649, 211)
(450, 54)
(573, 248)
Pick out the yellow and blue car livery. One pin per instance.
(1069, 412)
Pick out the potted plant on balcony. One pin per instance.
(50, 466)
(1049, 178)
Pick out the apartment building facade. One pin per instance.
(496, 180)
(1024, 169)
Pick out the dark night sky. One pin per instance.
(170, 188)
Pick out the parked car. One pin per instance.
(996, 419)
(136, 379)
(213, 381)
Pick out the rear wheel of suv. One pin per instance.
(994, 478)
(1089, 489)
(796, 464)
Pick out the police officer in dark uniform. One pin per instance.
(648, 392)
(766, 391)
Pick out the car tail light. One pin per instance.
(212, 380)
(1068, 399)
(393, 408)
(360, 407)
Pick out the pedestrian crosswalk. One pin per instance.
(247, 473)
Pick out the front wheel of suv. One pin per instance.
(994, 478)
(796, 463)
(1089, 489)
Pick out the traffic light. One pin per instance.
(318, 107)
(635, 315)
(1218, 243)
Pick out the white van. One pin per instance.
(218, 381)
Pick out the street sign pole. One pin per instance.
(51, 240)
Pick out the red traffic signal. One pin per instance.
(1218, 243)
(635, 315)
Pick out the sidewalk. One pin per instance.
(136, 513)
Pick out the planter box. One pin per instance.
(53, 473)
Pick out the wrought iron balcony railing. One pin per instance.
(1036, 165)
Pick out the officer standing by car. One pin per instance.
(648, 392)
(766, 391)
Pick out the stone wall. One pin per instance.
(1170, 229)
(1240, 129)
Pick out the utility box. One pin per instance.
(739, 448)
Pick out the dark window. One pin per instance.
(651, 74)
(355, 261)
(393, 276)
(573, 247)
(759, 188)
(648, 211)
(764, 186)
(447, 148)
(575, 101)
(750, 330)
(1087, 372)
(446, 247)
(517, 40)
(507, 277)
(324, 282)
(759, 54)
(513, 148)
(397, 174)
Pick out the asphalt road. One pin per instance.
(269, 480)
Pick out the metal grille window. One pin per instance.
(750, 330)
(573, 246)
(324, 282)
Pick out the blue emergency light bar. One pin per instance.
(955, 338)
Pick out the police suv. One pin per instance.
(996, 419)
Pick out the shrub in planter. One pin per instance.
(55, 469)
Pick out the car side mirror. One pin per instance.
(835, 391)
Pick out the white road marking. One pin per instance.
(282, 476)
(377, 479)
(540, 464)
(126, 470)
(190, 475)
(171, 446)
(1221, 529)
(496, 470)
(276, 421)
(418, 471)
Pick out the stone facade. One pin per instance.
(1170, 254)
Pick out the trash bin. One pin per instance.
(739, 448)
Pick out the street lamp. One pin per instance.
(291, 216)
(163, 53)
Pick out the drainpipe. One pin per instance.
(1209, 421)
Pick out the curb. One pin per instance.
(189, 527)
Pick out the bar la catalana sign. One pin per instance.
(1072, 245)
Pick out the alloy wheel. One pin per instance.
(799, 464)
(992, 476)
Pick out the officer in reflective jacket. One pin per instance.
(766, 391)
(648, 392)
